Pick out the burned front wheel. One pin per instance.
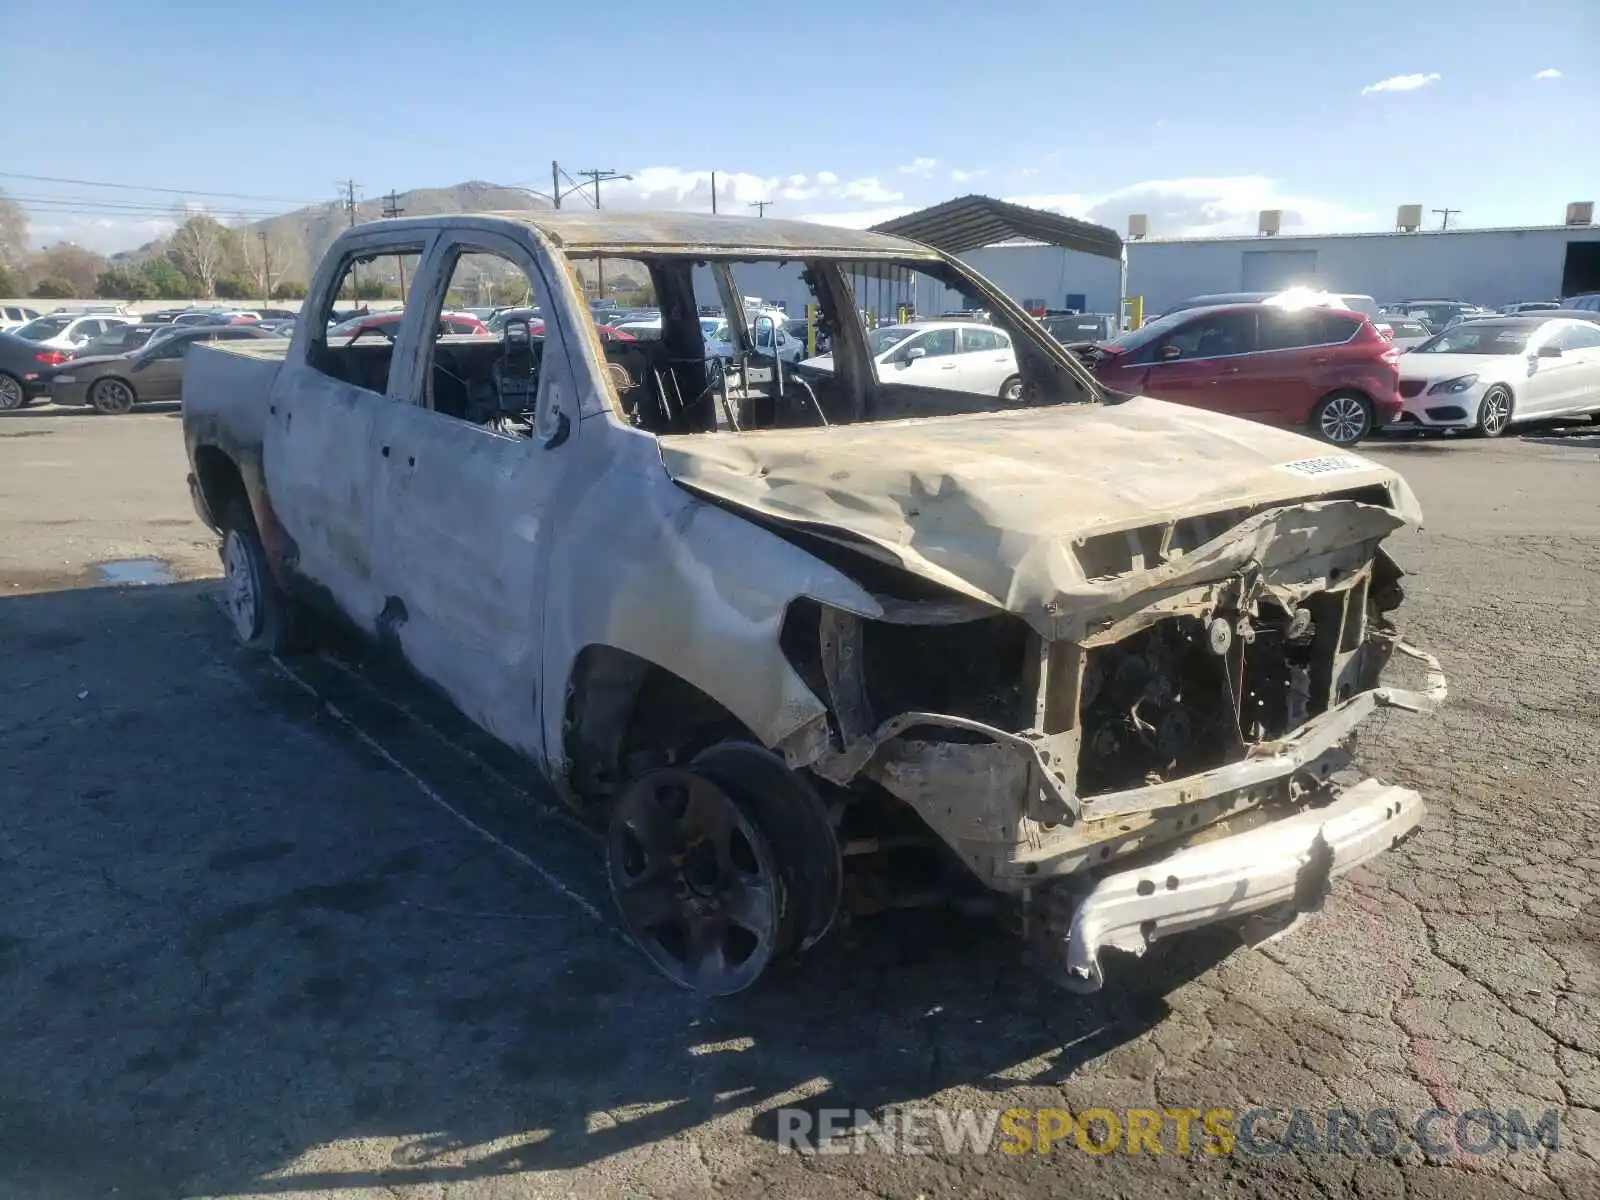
(720, 869)
(695, 881)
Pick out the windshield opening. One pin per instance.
(744, 345)
(1479, 338)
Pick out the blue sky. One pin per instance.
(1198, 114)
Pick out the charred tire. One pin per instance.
(263, 618)
(112, 396)
(1342, 418)
(1011, 390)
(722, 868)
(695, 880)
(12, 395)
(1494, 412)
(793, 816)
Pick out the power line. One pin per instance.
(598, 177)
(72, 204)
(133, 187)
(761, 206)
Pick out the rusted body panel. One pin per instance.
(1066, 637)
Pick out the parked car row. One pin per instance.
(1333, 371)
(1291, 359)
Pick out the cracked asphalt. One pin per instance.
(247, 948)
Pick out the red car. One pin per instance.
(388, 324)
(1322, 368)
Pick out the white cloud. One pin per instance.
(960, 176)
(1027, 172)
(870, 190)
(1547, 73)
(861, 218)
(103, 235)
(1402, 83)
(1204, 207)
(919, 166)
(826, 178)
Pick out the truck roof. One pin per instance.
(580, 231)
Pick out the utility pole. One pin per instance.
(266, 269)
(391, 208)
(349, 188)
(1445, 214)
(597, 178)
(555, 183)
(713, 192)
(761, 206)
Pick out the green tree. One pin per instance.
(10, 285)
(117, 284)
(79, 267)
(168, 282)
(53, 288)
(234, 288)
(289, 289)
(200, 248)
(13, 235)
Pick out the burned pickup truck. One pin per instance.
(810, 642)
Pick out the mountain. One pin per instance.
(298, 240)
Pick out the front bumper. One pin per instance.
(1452, 410)
(73, 394)
(1288, 863)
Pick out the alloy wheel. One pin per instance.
(113, 397)
(10, 394)
(695, 881)
(1344, 420)
(243, 585)
(1496, 414)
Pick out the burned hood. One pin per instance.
(1010, 507)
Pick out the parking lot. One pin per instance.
(289, 929)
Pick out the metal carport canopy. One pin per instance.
(970, 222)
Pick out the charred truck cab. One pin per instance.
(818, 639)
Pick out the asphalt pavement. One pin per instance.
(293, 930)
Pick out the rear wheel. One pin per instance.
(1011, 390)
(1494, 413)
(1343, 418)
(263, 617)
(114, 397)
(11, 394)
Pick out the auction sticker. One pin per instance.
(1327, 464)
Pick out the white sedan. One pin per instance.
(955, 356)
(68, 331)
(764, 328)
(1486, 375)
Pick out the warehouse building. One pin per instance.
(1043, 260)
(1487, 266)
